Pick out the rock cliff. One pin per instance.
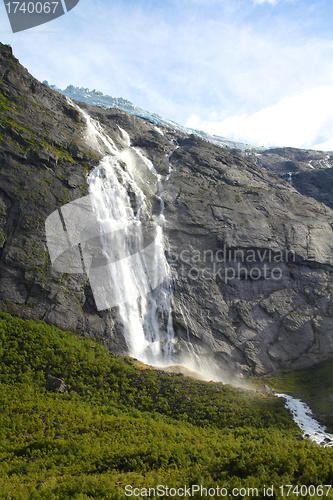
(251, 256)
(310, 172)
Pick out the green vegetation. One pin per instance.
(121, 424)
(7, 103)
(313, 385)
(25, 140)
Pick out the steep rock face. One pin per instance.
(317, 183)
(43, 164)
(44, 161)
(220, 205)
(251, 257)
(283, 161)
(310, 172)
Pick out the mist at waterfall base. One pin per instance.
(137, 278)
(124, 256)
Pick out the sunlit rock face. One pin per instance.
(250, 257)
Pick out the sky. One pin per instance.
(257, 71)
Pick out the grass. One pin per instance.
(30, 141)
(22, 137)
(121, 423)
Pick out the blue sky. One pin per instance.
(260, 71)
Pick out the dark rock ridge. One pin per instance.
(251, 256)
(310, 172)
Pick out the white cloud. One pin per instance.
(304, 120)
(271, 2)
(228, 63)
(259, 2)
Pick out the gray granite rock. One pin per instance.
(251, 257)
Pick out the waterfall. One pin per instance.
(137, 272)
(114, 237)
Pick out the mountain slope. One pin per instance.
(97, 98)
(310, 172)
(116, 424)
(251, 257)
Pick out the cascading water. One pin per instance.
(146, 319)
(290, 178)
(132, 272)
(303, 417)
(122, 210)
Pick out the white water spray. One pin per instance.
(138, 283)
(122, 210)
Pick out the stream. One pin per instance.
(303, 417)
